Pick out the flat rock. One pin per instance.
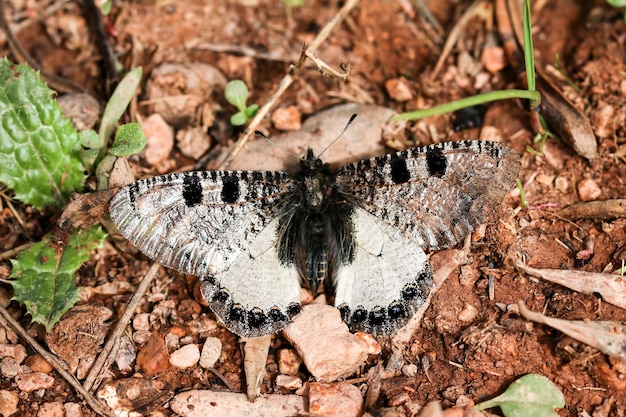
(201, 403)
(337, 354)
(361, 140)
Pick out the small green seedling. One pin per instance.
(522, 193)
(236, 93)
(532, 395)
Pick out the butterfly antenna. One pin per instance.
(259, 133)
(340, 135)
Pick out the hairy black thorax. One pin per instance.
(315, 229)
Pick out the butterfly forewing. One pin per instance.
(435, 194)
(205, 223)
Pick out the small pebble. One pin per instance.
(493, 59)
(468, 313)
(140, 337)
(288, 362)
(159, 138)
(153, 357)
(9, 368)
(545, 179)
(185, 357)
(288, 382)
(126, 355)
(51, 409)
(481, 79)
(409, 370)
(287, 118)
(588, 190)
(201, 325)
(38, 364)
(17, 352)
(193, 142)
(141, 321)
(340, 399)
(561, 184)
(34, 381)
(338, 354)
(172, 341)
(603, 120)
(399, 89)
(73, 410)
(8, 403)
(211, 352)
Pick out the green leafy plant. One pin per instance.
(532, 395)
(236, 93)
(39, 147)
(44, 274)
(43, 162)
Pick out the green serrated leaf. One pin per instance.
(532, 395)
(129, 140)
(43, 276)
(238, 119)
(236, 93)
(39, 147)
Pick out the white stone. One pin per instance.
(211, 352)
(288, 382)
(185, 357)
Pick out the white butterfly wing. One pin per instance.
(388, 280)
(435, 194)
(407, 202)
(217, 225)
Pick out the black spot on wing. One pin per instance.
(256, 317)
(230, 189)
(192, 190)
(399, 170)
(396, 310)
(377, 316)
(133, 192)
(436, 161)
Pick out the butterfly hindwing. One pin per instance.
(205, 223)
(388, 280)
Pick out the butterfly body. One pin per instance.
(254, 236)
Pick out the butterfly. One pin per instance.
(254, 237)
